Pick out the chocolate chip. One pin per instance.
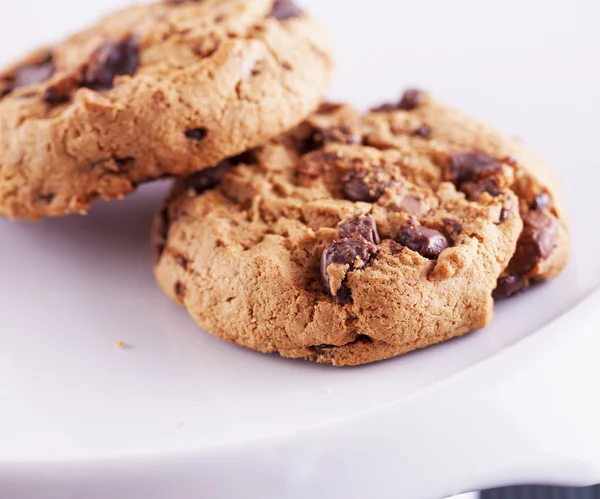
(179, 290)
(338, 134)
(425, 241)
(54, 97)
(541, 201)
(30, 74)
(196, 133)
(362, 226)
(536, 243)
(365, 184)
(465, 167)
(354, 253)
(504, 213)
(508, 286)
(33, 74)
(395, 248)
(209, 178)
(182, 261)
(60, 91)
(285, 9)
(453, 228)
(474, 190)
(110, 60)
(424, 131)
(411, 100)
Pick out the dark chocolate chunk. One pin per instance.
(196, 133)
(425, 241)
(362, 226)
(453, 228)
(60, 92)
(54, 97)
(465, 167)
(179, 290)
(504, 213)
(536, 243)
(508, 286)
(33, 74)
(110, 60)
(285, 9)
(182, 261)
(474, 190)
(411, 100)
(541, 201)
(356, 253)
(424, 131)
(30, 74)
(209, 178)
(321, 136)
(365, 184)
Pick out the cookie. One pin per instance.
(353, 239)
(152, 91)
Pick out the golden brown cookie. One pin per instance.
(151, 91)
(357, 238)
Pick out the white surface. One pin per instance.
(79, 416)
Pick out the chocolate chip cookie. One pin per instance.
(355, 238)
(156, 90)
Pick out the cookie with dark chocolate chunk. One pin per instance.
(174, 86)
(352, 239)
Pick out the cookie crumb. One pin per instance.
(121, 345)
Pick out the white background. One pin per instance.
(70, 288)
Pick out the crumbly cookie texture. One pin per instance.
(151, 91)
(353, 239)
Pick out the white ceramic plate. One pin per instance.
(179, 413)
